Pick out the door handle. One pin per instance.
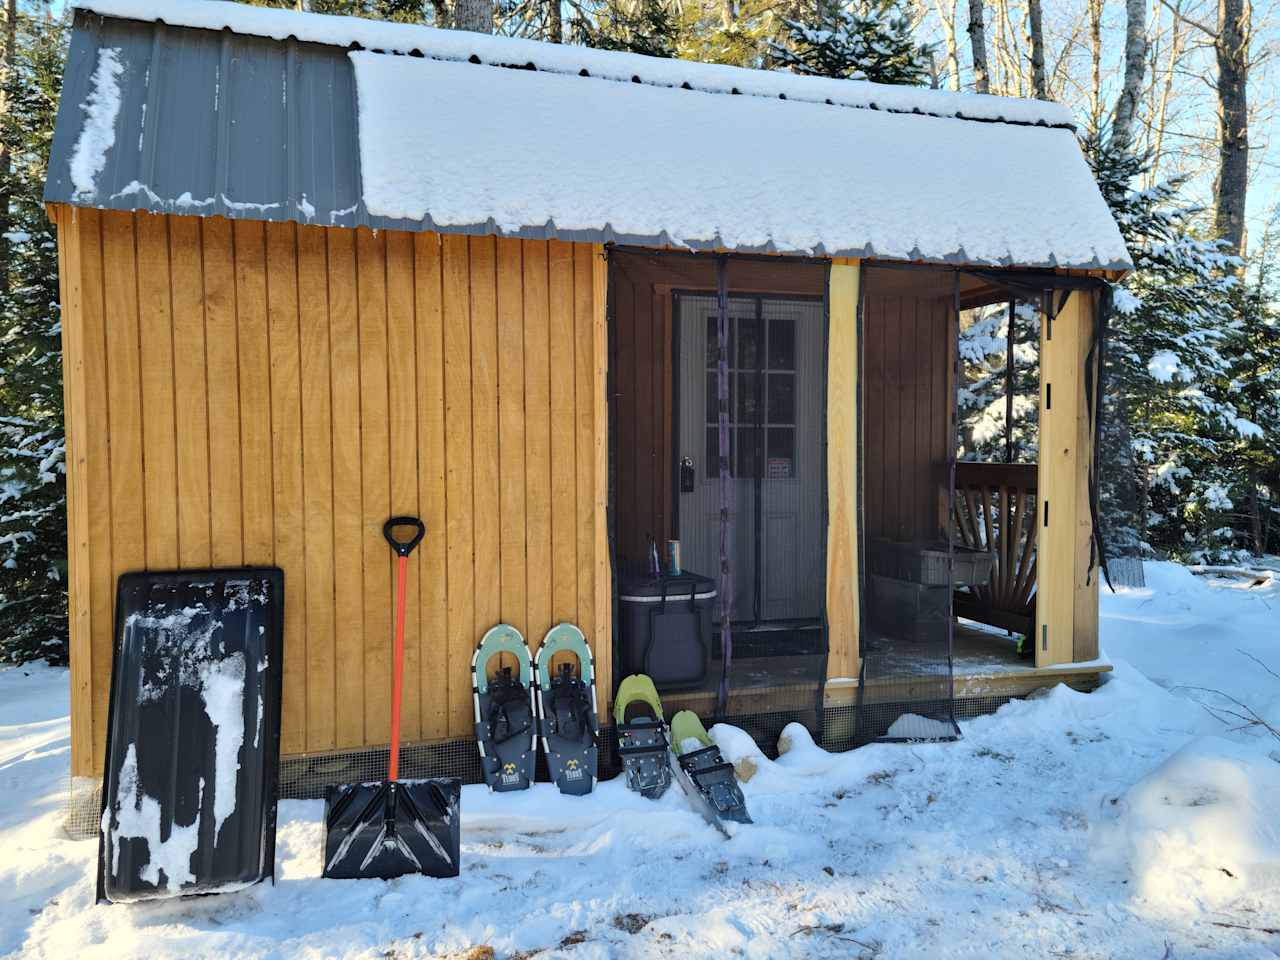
(686, 475)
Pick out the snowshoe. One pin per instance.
(506, 713)
(642, 737)
(567, 710)
(707, 780)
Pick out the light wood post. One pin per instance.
(842, 471)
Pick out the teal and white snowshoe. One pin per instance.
(707, 780)
(642, 737)
(567, 710)
(506, 711)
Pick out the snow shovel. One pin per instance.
(388, 828)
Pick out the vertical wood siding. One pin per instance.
(271, 393)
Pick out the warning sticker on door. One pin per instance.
(779, 468)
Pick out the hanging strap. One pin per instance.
(725, 489)
(1093, 390)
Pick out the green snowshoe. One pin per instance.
(567, 710)
(643, 745)
(708, 781)
(506, 713)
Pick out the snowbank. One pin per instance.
(1069, 825)
(1201, 830)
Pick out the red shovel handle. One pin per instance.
(402, 548)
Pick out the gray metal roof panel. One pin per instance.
(215, 123)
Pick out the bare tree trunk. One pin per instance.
(1255, 514)
(728, 14)
(1035, 23)
(6, 161)
(946, 10)
(1176, 43)
(1135, 57)
(555, 22)
(474, 15)
(978, 40)
(1231, 186)
(1095, 59)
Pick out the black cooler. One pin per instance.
(665, 628)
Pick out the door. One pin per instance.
(775, 400)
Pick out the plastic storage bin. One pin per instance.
(665, 628)
(926, 563)
(909, 611)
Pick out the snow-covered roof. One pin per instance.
(343, 121)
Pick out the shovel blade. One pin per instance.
(390, 828)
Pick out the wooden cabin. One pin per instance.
(318, 271)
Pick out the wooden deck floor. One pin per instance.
(985, 664)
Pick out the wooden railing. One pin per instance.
(995, 509)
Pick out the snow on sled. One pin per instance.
(567, 709)
(193, 734)
(643, 745)
(506, 713)
(706, 778)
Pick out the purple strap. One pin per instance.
(725, 587)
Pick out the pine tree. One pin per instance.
(649, 27)
(984, 349)
(33, 533)
(868, 40)
(1165, 353)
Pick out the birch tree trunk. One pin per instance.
(1231, 186)
(474, 15)
(1135, 61)
(978, 41)
(946, 10)
(1035, 27)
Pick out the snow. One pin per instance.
(98, 134)
(1129, 822)
(462, 46)
(169, 861)
(222, 684)
(1163, 365)
(697, 169)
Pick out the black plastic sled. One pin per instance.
(643, 747)
(707, 779)
(567, 710)
(193, 734)
(505, 712)
(388, 828)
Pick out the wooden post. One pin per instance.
(842, 470)
(1066, 609)
(603, 649)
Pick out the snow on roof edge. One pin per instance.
(461, 45)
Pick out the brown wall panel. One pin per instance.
(271, 393)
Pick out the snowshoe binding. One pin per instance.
(505, 710)
(643, 745)
(567, 710)
(707, 780)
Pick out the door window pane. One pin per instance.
(782, 343)
(782, 398)
(750, 353)
(748, 443)
(748, 408)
